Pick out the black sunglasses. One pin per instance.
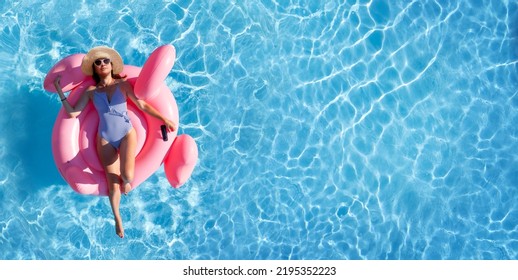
(100, 61)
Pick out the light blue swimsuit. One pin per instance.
(114, 122)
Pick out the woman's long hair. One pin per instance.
(97, 79)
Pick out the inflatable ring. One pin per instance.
(74, 139)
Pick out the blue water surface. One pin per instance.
(326, 130)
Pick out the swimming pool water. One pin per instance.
(326, 130)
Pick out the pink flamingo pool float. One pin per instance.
(74, 139)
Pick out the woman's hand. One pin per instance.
(57, 81)
(171, 126)
(57, 85)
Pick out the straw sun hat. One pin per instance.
(102, 52)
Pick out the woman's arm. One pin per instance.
(72, 111)
(144, 106)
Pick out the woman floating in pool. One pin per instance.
(116, 138)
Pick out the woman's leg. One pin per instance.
(110, 161)
(127, 157)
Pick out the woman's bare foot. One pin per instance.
(119, 229)
(126, 188)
